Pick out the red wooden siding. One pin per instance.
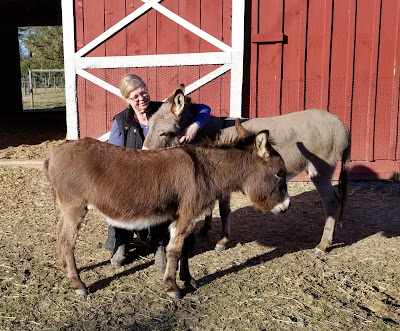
(266, 55)
(211, 13)
(190, 11)
(342, 53)
(365, 70)
(387, 96)
(337, 55)
(294, 30)
(318, 49)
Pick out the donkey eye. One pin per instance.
(168, 134)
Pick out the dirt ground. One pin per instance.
(268, 278)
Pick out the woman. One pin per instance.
(129, 130)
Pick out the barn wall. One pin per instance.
(341, 56)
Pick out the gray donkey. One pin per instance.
(313, 140)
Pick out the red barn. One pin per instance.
(243, 58)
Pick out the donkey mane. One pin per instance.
(240, 144)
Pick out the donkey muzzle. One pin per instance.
(283, 206)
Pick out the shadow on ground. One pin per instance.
(32, 128)
(372, 208)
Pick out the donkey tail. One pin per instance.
(344, 180)
(46, 171)
(46, 167)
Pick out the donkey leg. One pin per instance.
(184, 272)
(206, 226)
(68, 233)
(174, 249)
(331, 203)
(225, 212)
(159, 240)
(62, 263)
(122, 237)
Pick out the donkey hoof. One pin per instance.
(117, 261)
(160, 259)
(81, 291)
(174, 294)
(318, 252)
(219, 248)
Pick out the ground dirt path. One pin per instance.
(267, 278)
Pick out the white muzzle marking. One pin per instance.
(283, 206)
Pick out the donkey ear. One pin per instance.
(262, 144)
(181, 87)
(179, 103)
(241, 131)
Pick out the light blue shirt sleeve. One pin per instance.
(203, 115)
(115, 135)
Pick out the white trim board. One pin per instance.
(162, 60)
(69, 66)
(188, 89)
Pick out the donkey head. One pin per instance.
(167, 122)
(266, 185)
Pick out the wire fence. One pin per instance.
(43, 89)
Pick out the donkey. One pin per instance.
(178, 184)
(312, 140)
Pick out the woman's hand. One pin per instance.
(189, 133)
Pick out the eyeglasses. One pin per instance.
(142, 94)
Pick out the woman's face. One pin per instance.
(139, 99)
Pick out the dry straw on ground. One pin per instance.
(267, 279)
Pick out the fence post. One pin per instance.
(31, 87)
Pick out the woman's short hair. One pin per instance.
(129, 83)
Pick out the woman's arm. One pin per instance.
(115, 135)
(203, 115)
(201, 119)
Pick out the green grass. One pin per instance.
(44, 98)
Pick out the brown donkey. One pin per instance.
(178, 184)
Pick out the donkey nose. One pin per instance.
(145, 148)
(283, 206)
(284, 210)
